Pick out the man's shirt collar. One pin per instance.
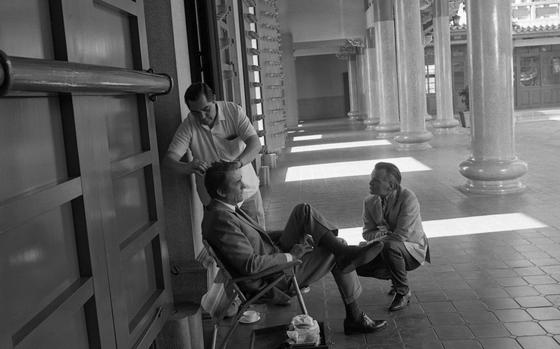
(230, 206)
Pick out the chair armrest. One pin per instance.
(272, 270)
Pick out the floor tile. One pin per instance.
(453, 332)
(442, 319)
(489, 330)
(532, 301)
(540, 342)
(462, 344)
(524, 328)
(511, 315)
(546, 313)
(479, 317)
(499, 343)
(552, 326)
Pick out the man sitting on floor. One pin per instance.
(244, 246)
(392, 215)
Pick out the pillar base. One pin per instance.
(444, 125)
(493, 176)
(354, 115)
(385, 131)
(413, 140)
(494, 187)
(371, 123)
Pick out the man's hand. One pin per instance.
(198, 167)
(298, 250)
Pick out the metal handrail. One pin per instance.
(41, 75)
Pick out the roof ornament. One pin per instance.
(350, 47)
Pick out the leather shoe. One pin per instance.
(356, 256)
(363, 325)
(400, 301)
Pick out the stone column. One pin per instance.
(444, 121)
(353, 87)
(364, 79)
(372, 100)
(411, 77)
(386, 69)
(360, 83)
(493, 167)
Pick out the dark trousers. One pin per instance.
(391, 264)
(304, 220)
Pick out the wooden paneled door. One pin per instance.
(83, 260)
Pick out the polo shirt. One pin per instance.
(225, 141)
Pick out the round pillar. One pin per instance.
(386, 69)
(372, 100)
(362, 83)
(353, 87)
(444, 122)
(493, 167)
(411, 77)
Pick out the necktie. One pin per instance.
(244, 215)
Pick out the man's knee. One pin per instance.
(301, 209)
(392, 248)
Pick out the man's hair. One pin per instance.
(215, 177)
(198, 89)
(390, 170)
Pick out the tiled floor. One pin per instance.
(486, 290)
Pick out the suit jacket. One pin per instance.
(242, 245)
(401, 214)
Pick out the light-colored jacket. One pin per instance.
(401, 216)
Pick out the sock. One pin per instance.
(352, 311)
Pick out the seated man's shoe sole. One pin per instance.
(363, 325)
(365, 255)
(400, 302)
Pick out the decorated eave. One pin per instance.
(518, 31)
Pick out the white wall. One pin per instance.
(318, 20)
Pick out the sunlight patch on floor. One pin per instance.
(461, 226)
(307, 138)
(349, 169)
(342, 145)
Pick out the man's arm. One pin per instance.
(251, 150)
(173, 161)
(371, 223)
(233, 244)
(407, 220)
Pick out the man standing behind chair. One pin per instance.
(245, 248)
(392, 215)
(217, 131)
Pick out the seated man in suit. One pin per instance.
(392, 215)
(244, 246)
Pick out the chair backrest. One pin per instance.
(218, 261)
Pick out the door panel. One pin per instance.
(123, 126)
(24, 138)
(42, 257)
(72, 335)
(31, 20)
(131, 204)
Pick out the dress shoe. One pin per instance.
(400, 301)
(356, 256)
(363, 325)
